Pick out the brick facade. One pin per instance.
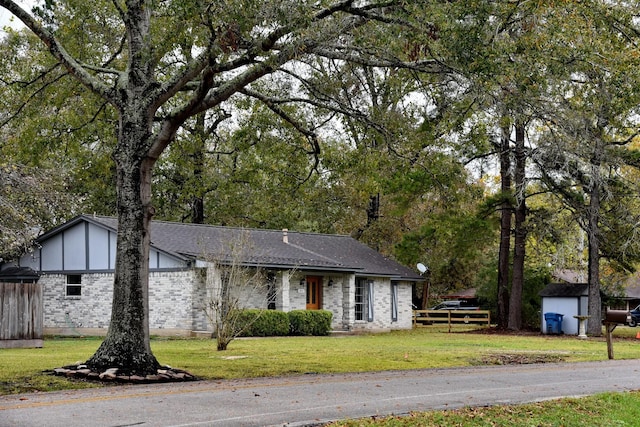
(171, 303)
(177, 300)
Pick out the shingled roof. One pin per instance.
(266, 248)
(565, 290)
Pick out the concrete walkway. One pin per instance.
(314, 399)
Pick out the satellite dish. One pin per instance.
(421, 268)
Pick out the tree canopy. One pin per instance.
(382, 119)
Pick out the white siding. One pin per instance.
(51, 254)
(98, 248)
(112, 250)
(568, 307)
(31, 260)
(165, 261)
(75, 248)
(67, 251)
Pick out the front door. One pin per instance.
(314, 285)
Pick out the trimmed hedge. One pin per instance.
(263, 323)
(272, 323)
(310, 322)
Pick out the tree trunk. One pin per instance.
(505, 228)
(425, 291)
(197, 159)
(594, 324)
(520, 235)
(127, 345)
(373, 215)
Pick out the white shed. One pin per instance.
(568, 299)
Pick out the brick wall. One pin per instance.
(381, 307)
(170, 302)
(332, 299)
(90, 310)
(176, 302)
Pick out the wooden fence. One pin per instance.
(21, 315)
(451, 317)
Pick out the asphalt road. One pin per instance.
(314, 399)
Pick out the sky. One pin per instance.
(5, 17)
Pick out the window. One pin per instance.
(360, 293)
(74, 285)
(394, 301)
(364, 300)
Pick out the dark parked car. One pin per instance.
(635, 316)
(454, 305)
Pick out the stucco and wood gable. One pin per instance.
(362, 288)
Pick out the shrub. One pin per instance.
(310, 322)
(263, 323)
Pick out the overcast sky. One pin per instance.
(5, 17)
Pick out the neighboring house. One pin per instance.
(570, 276)
(630, 289)
(363, 289)
(632, 296)
(468, 297)
(568, 299)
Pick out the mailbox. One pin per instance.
(613, 318)
(616, 316)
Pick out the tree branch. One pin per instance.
(58, 51)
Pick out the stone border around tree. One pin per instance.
(164, 374)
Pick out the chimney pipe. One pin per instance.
(285, 237)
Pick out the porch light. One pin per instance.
(330, 282)
(302, 282)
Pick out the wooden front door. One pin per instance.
(314, 285)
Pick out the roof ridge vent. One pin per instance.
(285, 236)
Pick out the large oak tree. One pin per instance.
(178, 59)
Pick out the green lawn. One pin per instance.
(603, 410)
(22, 369)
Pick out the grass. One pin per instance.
(602, 410)
(22, 369)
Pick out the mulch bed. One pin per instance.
(520, 358)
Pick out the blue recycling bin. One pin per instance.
(554, 322)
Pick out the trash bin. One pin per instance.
(554, 322)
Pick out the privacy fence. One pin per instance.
(21, 315)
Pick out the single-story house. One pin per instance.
(363, 289)
(631, 293)
(467, 296)
(629, 296)
(567, 299)
(632, 296)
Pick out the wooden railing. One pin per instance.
(451, 317)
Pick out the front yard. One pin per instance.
(24, 370)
